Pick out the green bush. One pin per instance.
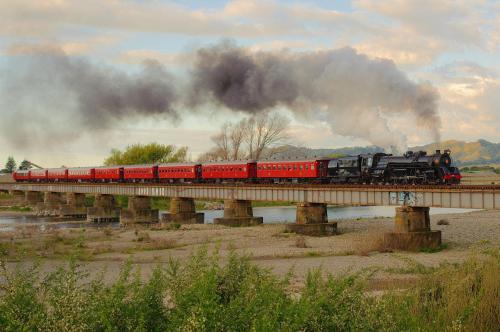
(205, 295)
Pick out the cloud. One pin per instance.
(455, 21)
(470, 98)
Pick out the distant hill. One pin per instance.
(463, 153)
(468, 153)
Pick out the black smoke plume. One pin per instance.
(50, 95)
(350, 91)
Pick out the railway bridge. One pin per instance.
(412, 223)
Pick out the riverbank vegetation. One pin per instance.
(203, 293)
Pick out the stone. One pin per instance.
(104, 209)
(412, 230)
(312, 219)
(138, 211)
(311, 213)
(74, 207)
(51, 204)
(238, 213)
(32, 198)
(182, 211)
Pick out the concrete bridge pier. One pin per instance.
(18, 196)
(74, 207)
(238, 213)
(104, 209)
(51, 204)
(312, 219)
(412, 230)
(32, 198)
(138, 212)
(182, 211)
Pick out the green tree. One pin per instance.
(25, 165)
(10, 166)
(146, 154)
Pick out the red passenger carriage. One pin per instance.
(21, 175)
(38, 175)
(81, 174)
(140, 173)
(179, 172)
(108, 174)
(57, 174)
(296, 169)
(230, 170)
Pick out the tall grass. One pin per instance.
(203, 294)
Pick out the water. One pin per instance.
(44, 223)
(272, 215)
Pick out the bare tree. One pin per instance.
(263, 132)
(237, 136)
(248, 138)
(221, 140)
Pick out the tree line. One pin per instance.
(11, 165)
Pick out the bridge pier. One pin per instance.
(74, 207)
(312, 219)
(412, 230)
(32, 198)
(104, 209)
(51, 204)
(18, 196)
(182, 211)
(238, 213)
(138, 212)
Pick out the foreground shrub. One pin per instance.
(203, 294)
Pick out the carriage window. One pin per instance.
(301, 167)
(295, 167)
(307, 167)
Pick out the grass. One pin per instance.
(5, 196)
(15, 208)
(204, 294)
(411, 266)
(441, 247)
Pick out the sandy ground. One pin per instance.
(356, 248)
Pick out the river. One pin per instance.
(271, 215)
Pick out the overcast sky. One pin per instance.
(452, 45)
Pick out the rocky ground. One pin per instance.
(356, 248)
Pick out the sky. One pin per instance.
(451, 45)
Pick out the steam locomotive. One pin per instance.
(382, 168)
(378, 168)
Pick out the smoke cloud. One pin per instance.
(51, 96)
(353, 93)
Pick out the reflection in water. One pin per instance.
(271, 215)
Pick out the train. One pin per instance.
(378, 168)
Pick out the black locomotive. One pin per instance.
(410, 168)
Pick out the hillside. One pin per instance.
(463, 153)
